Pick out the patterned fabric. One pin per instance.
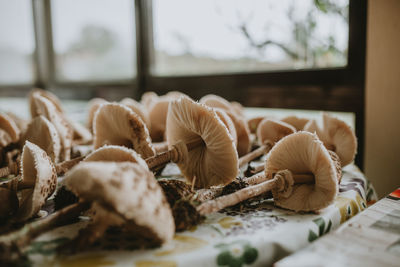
(253, 234)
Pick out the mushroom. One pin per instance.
(46, 108)
(38, 177)
(81, 135)
(42, 132)
(9, 131)
(21, 123)
(123, 194)
(93, 105)
(242, 130)
(296, 122)
(148, 99)
(116, 124)
(213, 160)
(336, 136)
(138, 108)
(299, 171)
(223, 116)
(46, 94)
(158, 115)
(268, 133)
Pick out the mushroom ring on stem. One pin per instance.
(299, 171)
(210, 155)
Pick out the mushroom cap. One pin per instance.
(223, 116)
(46, 108)
(9, 131)
(46, 94)
(273, 130)
(237, 108)
(38, 169)
(215, 101)
(137, 108)
(115, 154)
(336, 136)
(21, 123)
(158, 117)
(126, 189)
(215, 162)
(94, 105)
(81, 135)
(301, 153)
(148, 98)
(42, 132)
(296, 122)
(116, 124)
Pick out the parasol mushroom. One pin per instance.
(42, 132)
(123, 194)
(299, 172)
(337, 136)
(46, 94)
(93, 105)
(223, 116)
(296, 122)
(116, 124)
(213, 159)
(38, 177)
(9, 131)
(138, 108)
(242, 130)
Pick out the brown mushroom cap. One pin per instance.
(273, 130)
(49, 111)
(94, 105)
(46, 94)
(296, 122)
(223, 116)
(9, 131)
(138, 109)
(215, 162)
(336, 136)
(148, 99)
(38, 169)
(128, 190)
(21, 123)
(42, 132)
(81, 134)
(215, 101)
(115, 124)
(301, 153)
(158, 116)
(237, 108)
(115, 154)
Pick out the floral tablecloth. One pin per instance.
(253, 234)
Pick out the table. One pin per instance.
(256, 233)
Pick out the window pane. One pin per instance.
(211, 36)
(94, 39)
(17, 43)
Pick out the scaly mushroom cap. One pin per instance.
(42, 132)
(216, 161)
(115, 124)
(242, 129)
(223, 116)
(302, 153)
(94, 105)
(158, 116)
(38, 169)
(46, 94)
(138, 109)
(9, 131)
(336, 136)
(296, 122)
(49, 111)
(273, 131)
(128, 190)
(115, 154)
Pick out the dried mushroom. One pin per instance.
(123, 194)
(223, 116)
(9, 131)
(273, 131)
(94, 104)
(34, 109)
(42, 132)
(296, 122)
(21, 123)
(158, 115)
(138, 108)
(213, 162)
(115, 124)
(336, 136)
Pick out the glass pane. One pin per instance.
(17, 43)
(211, 36)
(94, 39)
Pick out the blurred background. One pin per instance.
(336, 55)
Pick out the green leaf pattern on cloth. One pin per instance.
(320, 222)
(236, 254)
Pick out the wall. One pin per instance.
(382, 150)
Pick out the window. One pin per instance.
(17, 44)
(94, 40)
(219, 36)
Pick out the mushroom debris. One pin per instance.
(242, 130)
(116, 124)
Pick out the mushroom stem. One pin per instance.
(22, 237)
(255, 169)
(266, 147)
(172, 154)
(252, 191)
(160, 147)
(64, 166)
